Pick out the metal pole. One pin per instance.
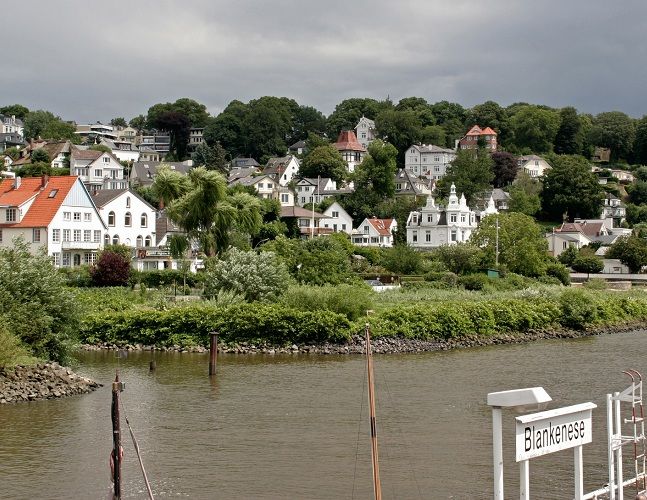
(610, 453)
(213, 353)
(377, 487)
(524, 480)
(579, 473)
(496, 255)
(618, 432)
(497, 452)
(116, 438)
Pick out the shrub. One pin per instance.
(402, 259)
(578, 309)
(76, 276)
(560, 272)
(473, 281)
(350, 300)
(112, 269)
(462, 258)
(11, 352)
(587, 264)
(595, 284)
(257, 277)
(166, 277)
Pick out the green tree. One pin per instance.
(471, 172)
(631, 250)
(569, 140)
(228, 129)
(490, 114)
(614, 130)
(39, 156)
(568, 256)
(451, 117)
(377, 171)
(587, 264)
(525, 195)
(267, 127)
(212, 157)
(17, 110)
(640, 142)
(402, 259)
(168, 185)
(193, 110)
(535, 128)
(420, 108)
(13, 153)
(35, 304)
(118, 122)
(400, 128)
(48, 126)
(138, 123)
(571, 188)
(307, 120)
(324, 161)
(522, 246)
(178, 126)
(348, 112)
(637, 192)
(504, 167)
(462, 258)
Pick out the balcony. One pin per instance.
(80, 245)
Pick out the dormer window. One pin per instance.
(52, 193)
(10, 215)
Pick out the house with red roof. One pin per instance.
(350, 148)
(375, 232)
(55, 214)
(477, 135)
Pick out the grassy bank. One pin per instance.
(127, 317)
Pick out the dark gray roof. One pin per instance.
(104, 196)
(145, 171)
(244, 162)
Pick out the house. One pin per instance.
(143, 173)
(577, 234)
(285, 196)
(9, 124)
(283, 169)
(126, 134)
(147, 154)
(244, 163)
(122, 150)
(622, 175)
(57, 151)
(535, 166)
(476, 136)
(308, 221)
(298, 148)
(10, 140)
(195, 137)
(365, 131)
(241, 173)
(95, 132)
(375, 232)
(310, 190)
(428, 160)
(52, 214)
(436, 225)
(407, 184)
(601, 155)
(129, 219)
(350, 149)
(500, 198)
(97, 169)
(6, 161)
(337, 219)
(157, 141)
(265, 185)
(613, 209)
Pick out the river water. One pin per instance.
(296, 426)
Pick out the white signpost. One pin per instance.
(550, 431)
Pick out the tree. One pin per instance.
(534, 128)
(631, 250)
(462, 258)
(568, 256)
(44, 124)
(193, 110)
(324, 161)
(377, 170)
(451, 117)
(587, 264)
(179, 127)
(614, 130)
(490, 114)
(568, 140)
(471, 172)
(638, 192)
(267, 127)
(505, 168)
(211, 157)
(17, 110)
(138, 123)
(522, 246)
(525, 195)
(228, 129)
(119, 122)
(402, 259)
(39, 155)
(307, 120)
(35, 304)
(348, 112)
(256, 276)
(168, 185)
(101, 148)
(112, 267)
(640, 142)
(420, 108)
(400, 128)
(571, 188)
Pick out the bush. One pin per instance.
(11, 351)
(402, 259)
(559, 271)
(462, 258)
(448, 279)
(111, 269)
(595, 284)
(166, 277)
(76, 276)
(587, 264)
(473, 281)
(578, 309)
(350, 300)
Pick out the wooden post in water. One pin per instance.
(377, 487)
(213, 353)
(115, 457)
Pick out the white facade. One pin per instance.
(102, 172)
(337, 219)
(375, 233)
(365, 131)
(11, 125)
(129, 220)
(533, 165)
(428, 160)
(314, 190)
(434, 225)
(285, 169)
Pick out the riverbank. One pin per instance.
(41, 381)
(383, 345)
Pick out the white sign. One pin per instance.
(553, 430)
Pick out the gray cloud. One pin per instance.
(88, 61)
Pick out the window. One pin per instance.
(0, 235)
(140, 241)
(143, 220)
(430, 218)
(365, 229)
(57, 258)
(77, 259)
(414, 236)
(77, 216)
(127, 201)
(436, 169)
(270, 185)
(111, 219)
(56, 235)
(97, 236)
(564, 245)
(148, 241)
(115, 239)
(66, 235)
(66, 259)
(77, 235)
(343, 227)
(106, 239)
(452, 218)
(87, 217)
(106, 159)
(35, 235)
(428, 236)
(453, 235)
(284, 198)
(89, 258)
(335, 215)
(87, 235)
(127, 219)
(98, 172)
(462, 217)
(52, 193)
(10, 215)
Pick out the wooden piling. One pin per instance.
(152, 365)
(213, 353)
(116, 438)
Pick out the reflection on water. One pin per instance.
(295, 426)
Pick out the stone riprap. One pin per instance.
(42, 381)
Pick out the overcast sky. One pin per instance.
(89, 61)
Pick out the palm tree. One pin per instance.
(168, 185)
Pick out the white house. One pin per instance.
(130, 219)
(123, 150)
(428, 160)
(365, 131)
(533, 165)
(350, 149)
(309, 190)
(407, 184)
(97, 169)
(435, 225)
(265, 185)
(283, 169)
(9, 124)
(375, 232)
(337, 219)
(56, 214)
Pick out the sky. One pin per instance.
(89, 61)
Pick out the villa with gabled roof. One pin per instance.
(486, 135)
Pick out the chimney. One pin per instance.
(16, 182)
(43, 181)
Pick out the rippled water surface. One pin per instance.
(296, 426)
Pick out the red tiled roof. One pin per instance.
(590, 229)
(475, 130)
(347, 141)
(488, 131)
(14, 197)
(43, 209)
(382, 226)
